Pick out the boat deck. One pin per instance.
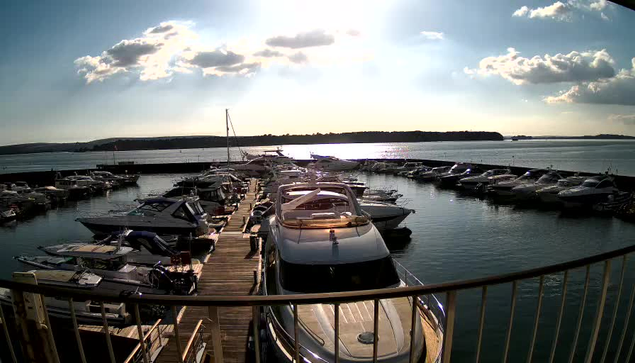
(227, 271)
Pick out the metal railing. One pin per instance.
(624, 337)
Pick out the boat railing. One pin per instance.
(591, 329)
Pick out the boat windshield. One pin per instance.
(375, 274)
(150, 209)
(590, 183)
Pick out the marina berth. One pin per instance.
(503, 189)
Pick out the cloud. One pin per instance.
(556, 11)
(598, 5)
(149, 55)
(298, 58)
(162, 28)
(625, 119)
(353, 32)
(268, 53)
(563, 11)
(618, 90)
(572, 67)
(432, 35)
(314, 38)
(216, 58)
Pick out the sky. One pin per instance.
(84, 70)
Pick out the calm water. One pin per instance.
(581, 155)
(454, 237)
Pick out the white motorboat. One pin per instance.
(503, 189)
(592, 191)
(482, 180)
(432, 174)
(183, 216)
(332, 163)
(75, 191)
(255, 167)
(381, 195)
(320, 241)
(111, 263)
(385, 216)
(87, 311)
(527, 191)
(7, 216)
(549, 194)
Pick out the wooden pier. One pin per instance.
(229, 270)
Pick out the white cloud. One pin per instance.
(314, 38)
(173, 47)
(429, 35)
(557, 11)
(618, 90)
(625, 119)
(563, 11)
(598, 5)
(572, 67)
(150, 54)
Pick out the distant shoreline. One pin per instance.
(206, 142)
(199, 142)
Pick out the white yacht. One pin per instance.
(527, 191)
(432, 174)
(592, 191)
(87, 311)
(255, 167)
(504, 188)
(320, 241)
(385, 216)
(482, 180)
(111, 263)
(332, 163)
(549, 194)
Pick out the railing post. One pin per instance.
(560, 314)
(537, 320)
(5, 326)
(511, 320)
(580, 314)
(104, 321)
(375, 328)
(296, 340)
(481, 323)
(600, 311)
(255, 312)
(413, 329)
(449, 326)
(336, 308)
(177, 338)
(617, 307)
(142, 343)
(78, 337)
(217, 341)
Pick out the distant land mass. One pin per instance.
(198, 142)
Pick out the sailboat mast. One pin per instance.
(227, 127)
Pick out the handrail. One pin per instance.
(145, 336)
(316, 298)
(191, 340)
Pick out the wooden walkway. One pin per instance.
(228, 271)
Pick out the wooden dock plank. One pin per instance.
(228, 271)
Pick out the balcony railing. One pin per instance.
(616, 343)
